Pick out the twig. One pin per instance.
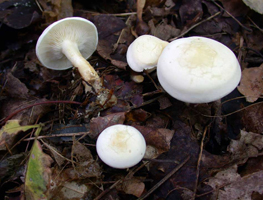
(198, 163)
(164, 179)
(244, 27)
(195, 25)
(260, 29)
(53, 150)
(37, 104)
(56, 135)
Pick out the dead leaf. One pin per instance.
(15, 88)
(19, 14)
(54, 10)
(98, 124)
(233, 186)
(11, 168)
(163, 30)
(252, 119)
(235, 7)
(9, 131)
(109, 28)
(27, 116)
(251, 84)
(159, 138)
(132, 186)
(38, 173)
(249, 145)
(85, 166)
(255, 5)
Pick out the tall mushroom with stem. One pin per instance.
(69, 42)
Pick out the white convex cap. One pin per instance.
(198, 70)
(121, 146)
(54, 45)
(144, 52)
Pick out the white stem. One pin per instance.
(71, 51)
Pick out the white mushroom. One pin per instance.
(69, 42)
(198, 70)
(121, 146)
(144, 52)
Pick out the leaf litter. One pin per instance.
(205, 151)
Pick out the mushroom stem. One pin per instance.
(71, 51)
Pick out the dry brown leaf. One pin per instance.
(235, 186)
(85, 165)
(98, 124)
(158, 138)
(15, 88)
(249, 145)
(251, 84)
(252, 119)
(234, 7)
(132, 186)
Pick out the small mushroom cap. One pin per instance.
(198, 70)
(144, 52)
(75, 29)
(121, 146)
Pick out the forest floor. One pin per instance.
(194, 151)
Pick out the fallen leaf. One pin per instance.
(38, 173)
(9, 131)
(251, 84)
(27, 116)
(10, 168)
(109, 28)
(19, 14)
(249, 145)
(132, 186)
(98, 124)
(235, 7)
(252, 119)
(233, 186)
(159, 138)
(255, 5)
(85, 166)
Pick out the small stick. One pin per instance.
(195, 25)
(164, 179)
(198, 163)
(37, 104)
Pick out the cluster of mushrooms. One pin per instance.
(193, 70)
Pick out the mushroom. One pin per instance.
(198, 70)
(69, 42)
(144, 52)
(121, 146)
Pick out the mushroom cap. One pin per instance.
(76, 29)
(198, 70)
(144, 52)
(121, 146)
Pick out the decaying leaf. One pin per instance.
(158, 138)
(98, 124)
(15, 88)
(132, 186)
(85, 166)
(56, 9)
(255, 5)
(18, 14)
(251, 84)
(38, 173)
(27, 116)
(230, 185)
(252, 119)
(249, 145)
(9, 131)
